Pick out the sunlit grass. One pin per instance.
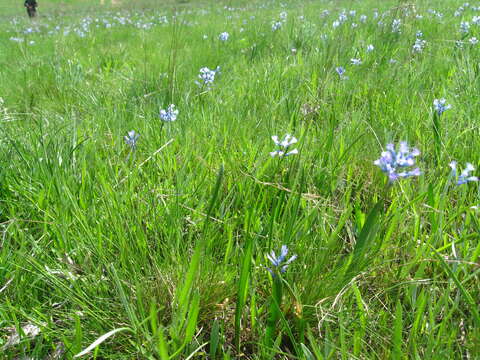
(159, 242)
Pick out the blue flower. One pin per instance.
(223, 36)
(419, 45)
(131, 139)
(464, 27)
(278, 262)
(440, 106)
(396, 23)
(170, 114)
(276, 25)
(341, 72)
(356, 61)
(392, 161)
(464, 176)
(207, 76)
(284, 145)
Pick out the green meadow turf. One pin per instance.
(159, 252)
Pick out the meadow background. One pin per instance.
(162, 247)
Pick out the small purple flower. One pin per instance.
(464, 176)
(276, 25)
(440, 106)
(356, 61)
(284, 145)
(391, 161)
(224, 36)
(207, 76)
(464, 27)
(396, 24)
(341, 72)
(170, 114)
(131, 139)
(278, 262)
(419, 45)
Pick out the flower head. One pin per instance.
(223, 36)
(370, 48)
(131, 139)
(276, 25)
(284, 146)
(440, 106)
(396, 23)
(278, 262)
(356, 61)
(464, 27)
(464, 176)
(207, 76)
(392, 161)
(341, 72)
(419, 45)
(170, 114)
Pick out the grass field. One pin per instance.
(158, 244)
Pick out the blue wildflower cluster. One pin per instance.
(464, 27)
(341, 72)
(276, 25)
(464, 176)
(419, 45)
(207, 76)
(440, 106)
(396, 26)
(170, 114)
(131, 139)
(356, 61)
(224, 36)
(284, 146)
(279, 264)
(392, 161)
